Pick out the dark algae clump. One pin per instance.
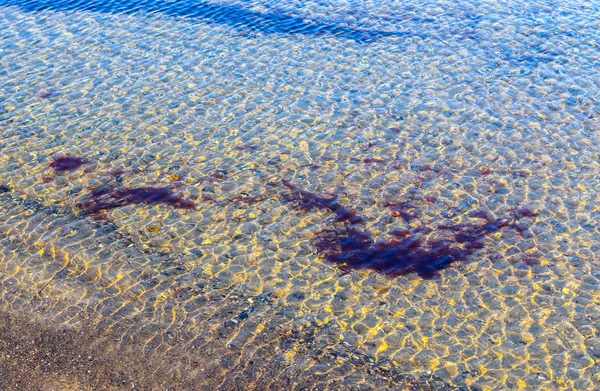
(371, 160)
(306, 200)
(153, 195)
(107, 197)
(349, 246)
(45, 94)
(4, 189)
(111, 196)
(67, 163)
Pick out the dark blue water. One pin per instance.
(238, 17)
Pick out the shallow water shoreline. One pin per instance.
(45, 356)
(292, 210)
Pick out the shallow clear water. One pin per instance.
(430, 121)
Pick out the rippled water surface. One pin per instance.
(299, 195)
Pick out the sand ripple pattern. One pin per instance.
(460, 110)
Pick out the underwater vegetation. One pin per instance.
(307, 201)
(45, 94)
(4, 189)
(371, 160)
(112, 196)
(107, 197)
(67, 163)
(347, 243)
(350, 246)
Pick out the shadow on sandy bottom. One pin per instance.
(239, 18)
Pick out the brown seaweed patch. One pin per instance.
(306, 200)
(350, 246)
(107, 197)
(45, 94)
(67, 163)
(246, 147)
(371, 160)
